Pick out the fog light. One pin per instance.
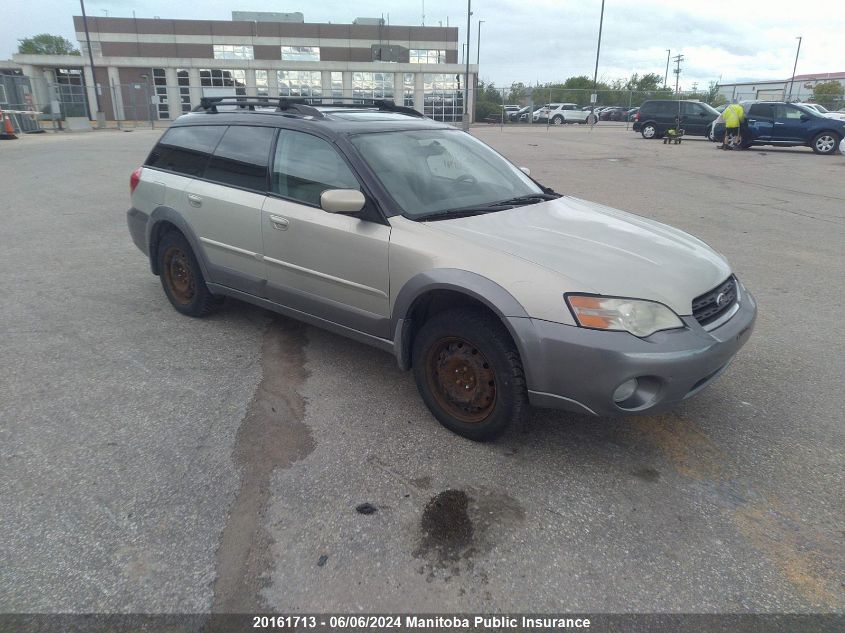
(625, 390)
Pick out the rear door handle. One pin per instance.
(279, 222)
(779, 123)
(194, 200)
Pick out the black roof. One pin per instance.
(367, 115)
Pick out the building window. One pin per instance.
(220, 78)
(70, 91)
(372, 85)
(184, 89)
(408, 90)
(262, 85)
(427, 56)
(160, 86)
(337, 86)
(301, 53)
(300, 83)
(443, 99)
(385, 53)
(233, 51)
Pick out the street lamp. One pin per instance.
(792, 83)
(596, 72)
(478, 52)
(466, 76)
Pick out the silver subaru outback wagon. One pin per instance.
(395, 230)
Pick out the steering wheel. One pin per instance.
(467, 178)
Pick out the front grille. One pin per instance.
(713, 304)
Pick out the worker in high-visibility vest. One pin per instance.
(734, 116)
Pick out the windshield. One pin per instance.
(428, 171)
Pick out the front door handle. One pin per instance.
(194, 200)
(279, 222)
(779, 123)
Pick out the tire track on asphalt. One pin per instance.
(271, 435)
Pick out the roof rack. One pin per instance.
(300, 105)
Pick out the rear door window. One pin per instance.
(185, 150)
(761, 110)
(241, 157)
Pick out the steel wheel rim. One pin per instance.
(179, 276)
(825, 144)
(648, 131)
(461, 379)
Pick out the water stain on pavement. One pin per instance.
(271, 435)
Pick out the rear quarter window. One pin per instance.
(185, 150)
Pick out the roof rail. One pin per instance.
(301, 105)
(282, 104)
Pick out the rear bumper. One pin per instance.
(137, 222)
(579, 369)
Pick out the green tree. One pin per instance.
(829, 94)
(46, 44)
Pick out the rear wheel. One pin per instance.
(649, 130)
(182, 278)
(469, 373)
(825, 143)
(557, 119)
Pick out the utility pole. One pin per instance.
(466, 76)
(101, 117)
(478, 52)
(678, 59)
(596, 72)
(794, 68)
(666, 74)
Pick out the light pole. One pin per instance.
(666, 74)
(466, 76)
(596, 72)
(478, 52)
(101, 117)
(794, 68)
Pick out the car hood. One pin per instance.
(603, 250)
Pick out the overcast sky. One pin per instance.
(544, 40)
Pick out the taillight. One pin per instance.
(134, 179)
(637, 116)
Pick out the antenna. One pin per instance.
(423, 13)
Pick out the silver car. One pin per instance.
(379, 224)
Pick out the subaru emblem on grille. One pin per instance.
(720, 299)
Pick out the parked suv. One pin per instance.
(786, 125)
(410, 235)
(560, 113)
(659, 115)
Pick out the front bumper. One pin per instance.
(579, 369)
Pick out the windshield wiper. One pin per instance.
(456, 213)
(501, 205)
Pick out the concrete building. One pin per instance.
(154, 68)
(779, 89)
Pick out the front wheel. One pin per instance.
(557, 120)
(825, 143)
(649, 131)
(469, 373)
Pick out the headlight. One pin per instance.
(640, 318)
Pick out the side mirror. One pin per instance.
(342, 201)
(525, 171)
(804, 118)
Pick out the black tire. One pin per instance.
(825, 143)
(486, 363)
(649, 131)
(181, 277)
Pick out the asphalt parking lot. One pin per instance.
(154, 463)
